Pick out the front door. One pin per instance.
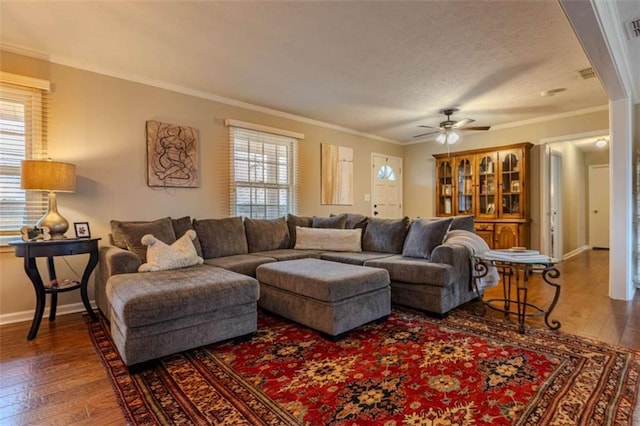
(386, 183)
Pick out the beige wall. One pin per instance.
(420, 170)
(98, 123)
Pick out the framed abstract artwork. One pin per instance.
(173, 157)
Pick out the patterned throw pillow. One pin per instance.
(161, 257)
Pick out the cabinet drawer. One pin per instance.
(483, 226)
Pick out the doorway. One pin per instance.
(555, 204)
(386, 184)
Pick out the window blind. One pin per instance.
(263, 174)
(23, 135)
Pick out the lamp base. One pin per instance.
(57, 224)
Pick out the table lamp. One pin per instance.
(52, 176)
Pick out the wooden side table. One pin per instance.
(30, 251)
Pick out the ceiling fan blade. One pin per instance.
(462, 122)
(428, 133)
(476, 128)
(428, 127)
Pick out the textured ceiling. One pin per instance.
(379, 68)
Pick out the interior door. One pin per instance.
(599, 206)
(386, 183)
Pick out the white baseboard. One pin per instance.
(22, 316)
(575, 252)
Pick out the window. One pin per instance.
(263, 173)
(22, 136)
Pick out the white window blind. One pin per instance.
(263, 174)
(23, 131)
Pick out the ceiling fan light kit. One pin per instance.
(447, 137)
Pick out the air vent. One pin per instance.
(633, 29)
(587, 73)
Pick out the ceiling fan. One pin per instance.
(448, 127)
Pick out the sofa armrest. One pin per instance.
(456, 256)
(113, 261)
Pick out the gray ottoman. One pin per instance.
(330, 297)
(160, 313)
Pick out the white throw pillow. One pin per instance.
(328, 239)
(161, 256)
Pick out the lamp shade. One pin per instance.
(41, 175)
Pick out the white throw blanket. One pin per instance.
(475, 245)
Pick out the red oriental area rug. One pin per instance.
(410, 369)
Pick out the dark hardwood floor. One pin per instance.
(57, 379)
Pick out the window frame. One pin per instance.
(266, 149)
(32, 93)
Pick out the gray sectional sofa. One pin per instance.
(157, 313)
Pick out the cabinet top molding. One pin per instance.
(526, 145)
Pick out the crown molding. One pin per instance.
(59, 60)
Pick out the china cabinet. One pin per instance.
(491, 184)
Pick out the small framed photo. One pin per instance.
(515, 186)
(82, 229)
(491, 208)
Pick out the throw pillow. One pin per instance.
(328, 239)
(424, 236)
(221, 237)
(336, 222)
(385, 235)
(266, 234)
(161, 257)
(132, 233)
(117, 233)
(466, 223)
(181, 226)
(292, 222)
(354, 220)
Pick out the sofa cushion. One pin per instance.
(221, 237)
(132, 233)
(244, 264)
(385, 235)
(162, 257)
(292, 222)
(328, 239)
(353, 258)
(143, 299)
(181, 226)
(466, 223)
(289, 254)
(266, 234)
(337, 222)
(424, 236)
(415, 271)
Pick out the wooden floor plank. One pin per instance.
(57, 379)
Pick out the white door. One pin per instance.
(386, 184)
(599, 206)
(555, 204)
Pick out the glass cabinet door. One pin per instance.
(511, 174)
(487, 185)
(445, 187)
(465, 185)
